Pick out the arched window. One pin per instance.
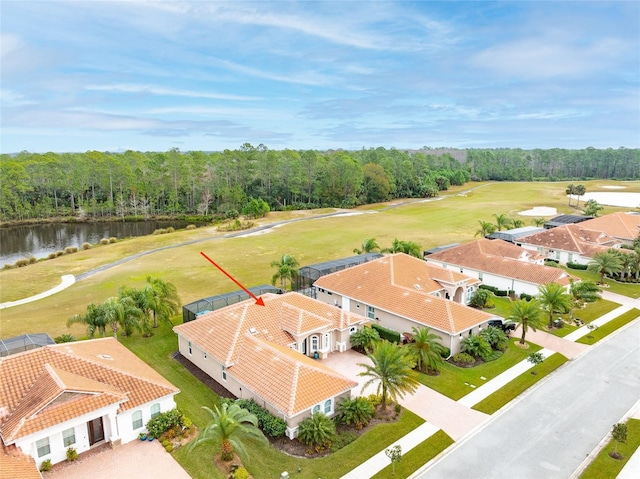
(315, 409)
(327, 406)
(314, 343)
(155, 410)
(136, 420)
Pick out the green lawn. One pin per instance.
(631, 290)
(455, 382)
(513, 389)
(604, 466)
(418, 456)
(587, 314)
(264, 462)
(610, 327)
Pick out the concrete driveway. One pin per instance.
(135, 460)
(453, 418)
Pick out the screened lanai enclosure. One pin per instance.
(24, 342)
(192, 310)
(307, 275)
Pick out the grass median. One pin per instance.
(609, 327)
(606, 466)
(514, 388)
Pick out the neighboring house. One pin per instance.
(574, 243)
(400, 292)
(501, 264)
(622, 226)
(78, 395)
(265, 353)
(514, 234)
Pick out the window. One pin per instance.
(315, 409)
(327, 406)
(136, 420)
(371, 313)
(480, 276)
(352, 330)
(326, 341)
(155, 410)
(224, 372)
(314, 343)
(470, 291)
(190, 349)
(43, 447)
(69, 437)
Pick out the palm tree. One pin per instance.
(526, 314)
(392, 369)
(94, 319)
(538, 221)
(408, 247)
(317, 430)
(517, 223)
(122, 311)
(496, 338)
(477, 346)
(287, 269)
(592, 208)
(605, 263)
(571, 190)
(486, 228)
(502, 221)
(162, 299)
(554, 299)
(364, 338)
(427, 350)
(583, 292)
(369, 245)
(580, 190)
(358, 411)
(230, 426)
(141, 301)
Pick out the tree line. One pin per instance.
(143, 184)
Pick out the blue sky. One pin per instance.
(150, 76)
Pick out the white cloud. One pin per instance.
(155, 90)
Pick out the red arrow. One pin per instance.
(259, 301)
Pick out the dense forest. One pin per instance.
(102, 184)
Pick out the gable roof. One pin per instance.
(253, 343)
(402, 285)
(54, 384)
(503, 259)
(16, 465)
(575, 238)
(622, 225)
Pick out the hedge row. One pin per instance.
(577, 266)
(270, 425)
(388, 334)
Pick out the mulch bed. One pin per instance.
(203, 377)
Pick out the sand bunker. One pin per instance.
(611, 187)
(540, 211)
(609, 198)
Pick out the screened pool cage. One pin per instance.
(192, 310)
(24, 342)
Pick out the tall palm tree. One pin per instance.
(571, 190)
(605, 263)
(392, 369)
(287, 269)
(527, 314)
(579, 191)
(427, 350)
(162, 299)
(122, 312)
(583, 292)
(94, 319)
(502, 221)
(554, 299)
(408, 247)
(229, 427)
(538, 221)
(486, 228)
(141, 301)
(370, 245)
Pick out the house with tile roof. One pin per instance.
(573, 243)
(501, 264)
(79, 395)
(273, 353)
(623, 225)
(400, 292)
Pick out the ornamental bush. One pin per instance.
(163, 422)
(463, 358)
(388, 334)
(271, 425)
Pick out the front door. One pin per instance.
(96, 431)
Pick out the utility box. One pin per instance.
(284, 475)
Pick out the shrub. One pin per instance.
(526, 296)
(364, 338)
(493, 289)
(46, 466)
(357, 411)
(164, 422)
(22, 262)
(51, 255)
(375, 399)
(165, 443)
(86, 246)
(113, 239)
(317, 430)
(59, 253)
(241, 473)
(160, 231)
(480, 298)
(104, 241)
(231, 214)
(476, 345)
(70, 250)
(72, 454)
(190, 227)
(64, 338)
(170, 229)
(463, 358)
(445, 353)
(271, 425)
(168, 447)
(577, 266)
(342, 440)
(32, 260)
(388, 334)
(501, 292)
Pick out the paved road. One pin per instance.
(549, 432)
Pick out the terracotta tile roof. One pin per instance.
(222, 332)
(573, 238)
(16, 465)
(623, 225)
(402, 285)
(253, 343)
(50, 385)
(503, 259)
(285, 378)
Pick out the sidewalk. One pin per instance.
(67, 280)
(631, 469)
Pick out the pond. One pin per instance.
(19, 242)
